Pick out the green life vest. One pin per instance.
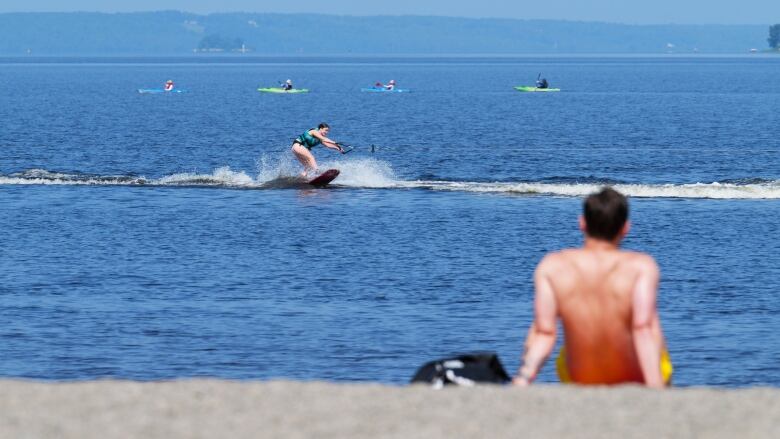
(307, 140)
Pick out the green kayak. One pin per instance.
(527, 88)
(281, 90)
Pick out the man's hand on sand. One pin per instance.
(519, 381)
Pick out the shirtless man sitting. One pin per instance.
(606, 299)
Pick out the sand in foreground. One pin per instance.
(279, 409)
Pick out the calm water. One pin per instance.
(147, 237)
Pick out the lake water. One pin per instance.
(146, 237)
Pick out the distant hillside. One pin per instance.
(172, 33)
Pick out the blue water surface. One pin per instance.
(147, 236)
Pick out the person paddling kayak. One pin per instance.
(288, 85)
(303, 144)
(542, 83)
(168, 85)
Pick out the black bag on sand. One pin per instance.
(463, 370)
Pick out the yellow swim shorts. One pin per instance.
(563, 369)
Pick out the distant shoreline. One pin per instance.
(290, 410)
(180, 33)
(360, 58)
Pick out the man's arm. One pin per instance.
(644, 313)
(541, 335)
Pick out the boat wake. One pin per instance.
(374, 174)
(715, 190)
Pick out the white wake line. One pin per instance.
(10, 181)
(242, 181)
(690, 190)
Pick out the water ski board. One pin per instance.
(326, 177)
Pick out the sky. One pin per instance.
(615, 11)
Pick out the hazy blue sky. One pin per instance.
(621, 11)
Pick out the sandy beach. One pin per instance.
(283, 409)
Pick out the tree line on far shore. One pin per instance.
(774, 37)
(179, 33)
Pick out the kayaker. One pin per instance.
(303, 144)
(542, 83)
(390, 85)
(288, 85)
(168, 85)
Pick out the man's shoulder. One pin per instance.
(638, 257)
(556, 259)
(571, 256)
(640, 261)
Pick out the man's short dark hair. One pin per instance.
(605, 214)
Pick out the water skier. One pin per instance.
(303, 144)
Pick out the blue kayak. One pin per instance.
(159, 90)
(384, 90)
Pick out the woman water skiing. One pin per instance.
(303, 144)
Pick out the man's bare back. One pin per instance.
(606, 300)
(593, 291)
